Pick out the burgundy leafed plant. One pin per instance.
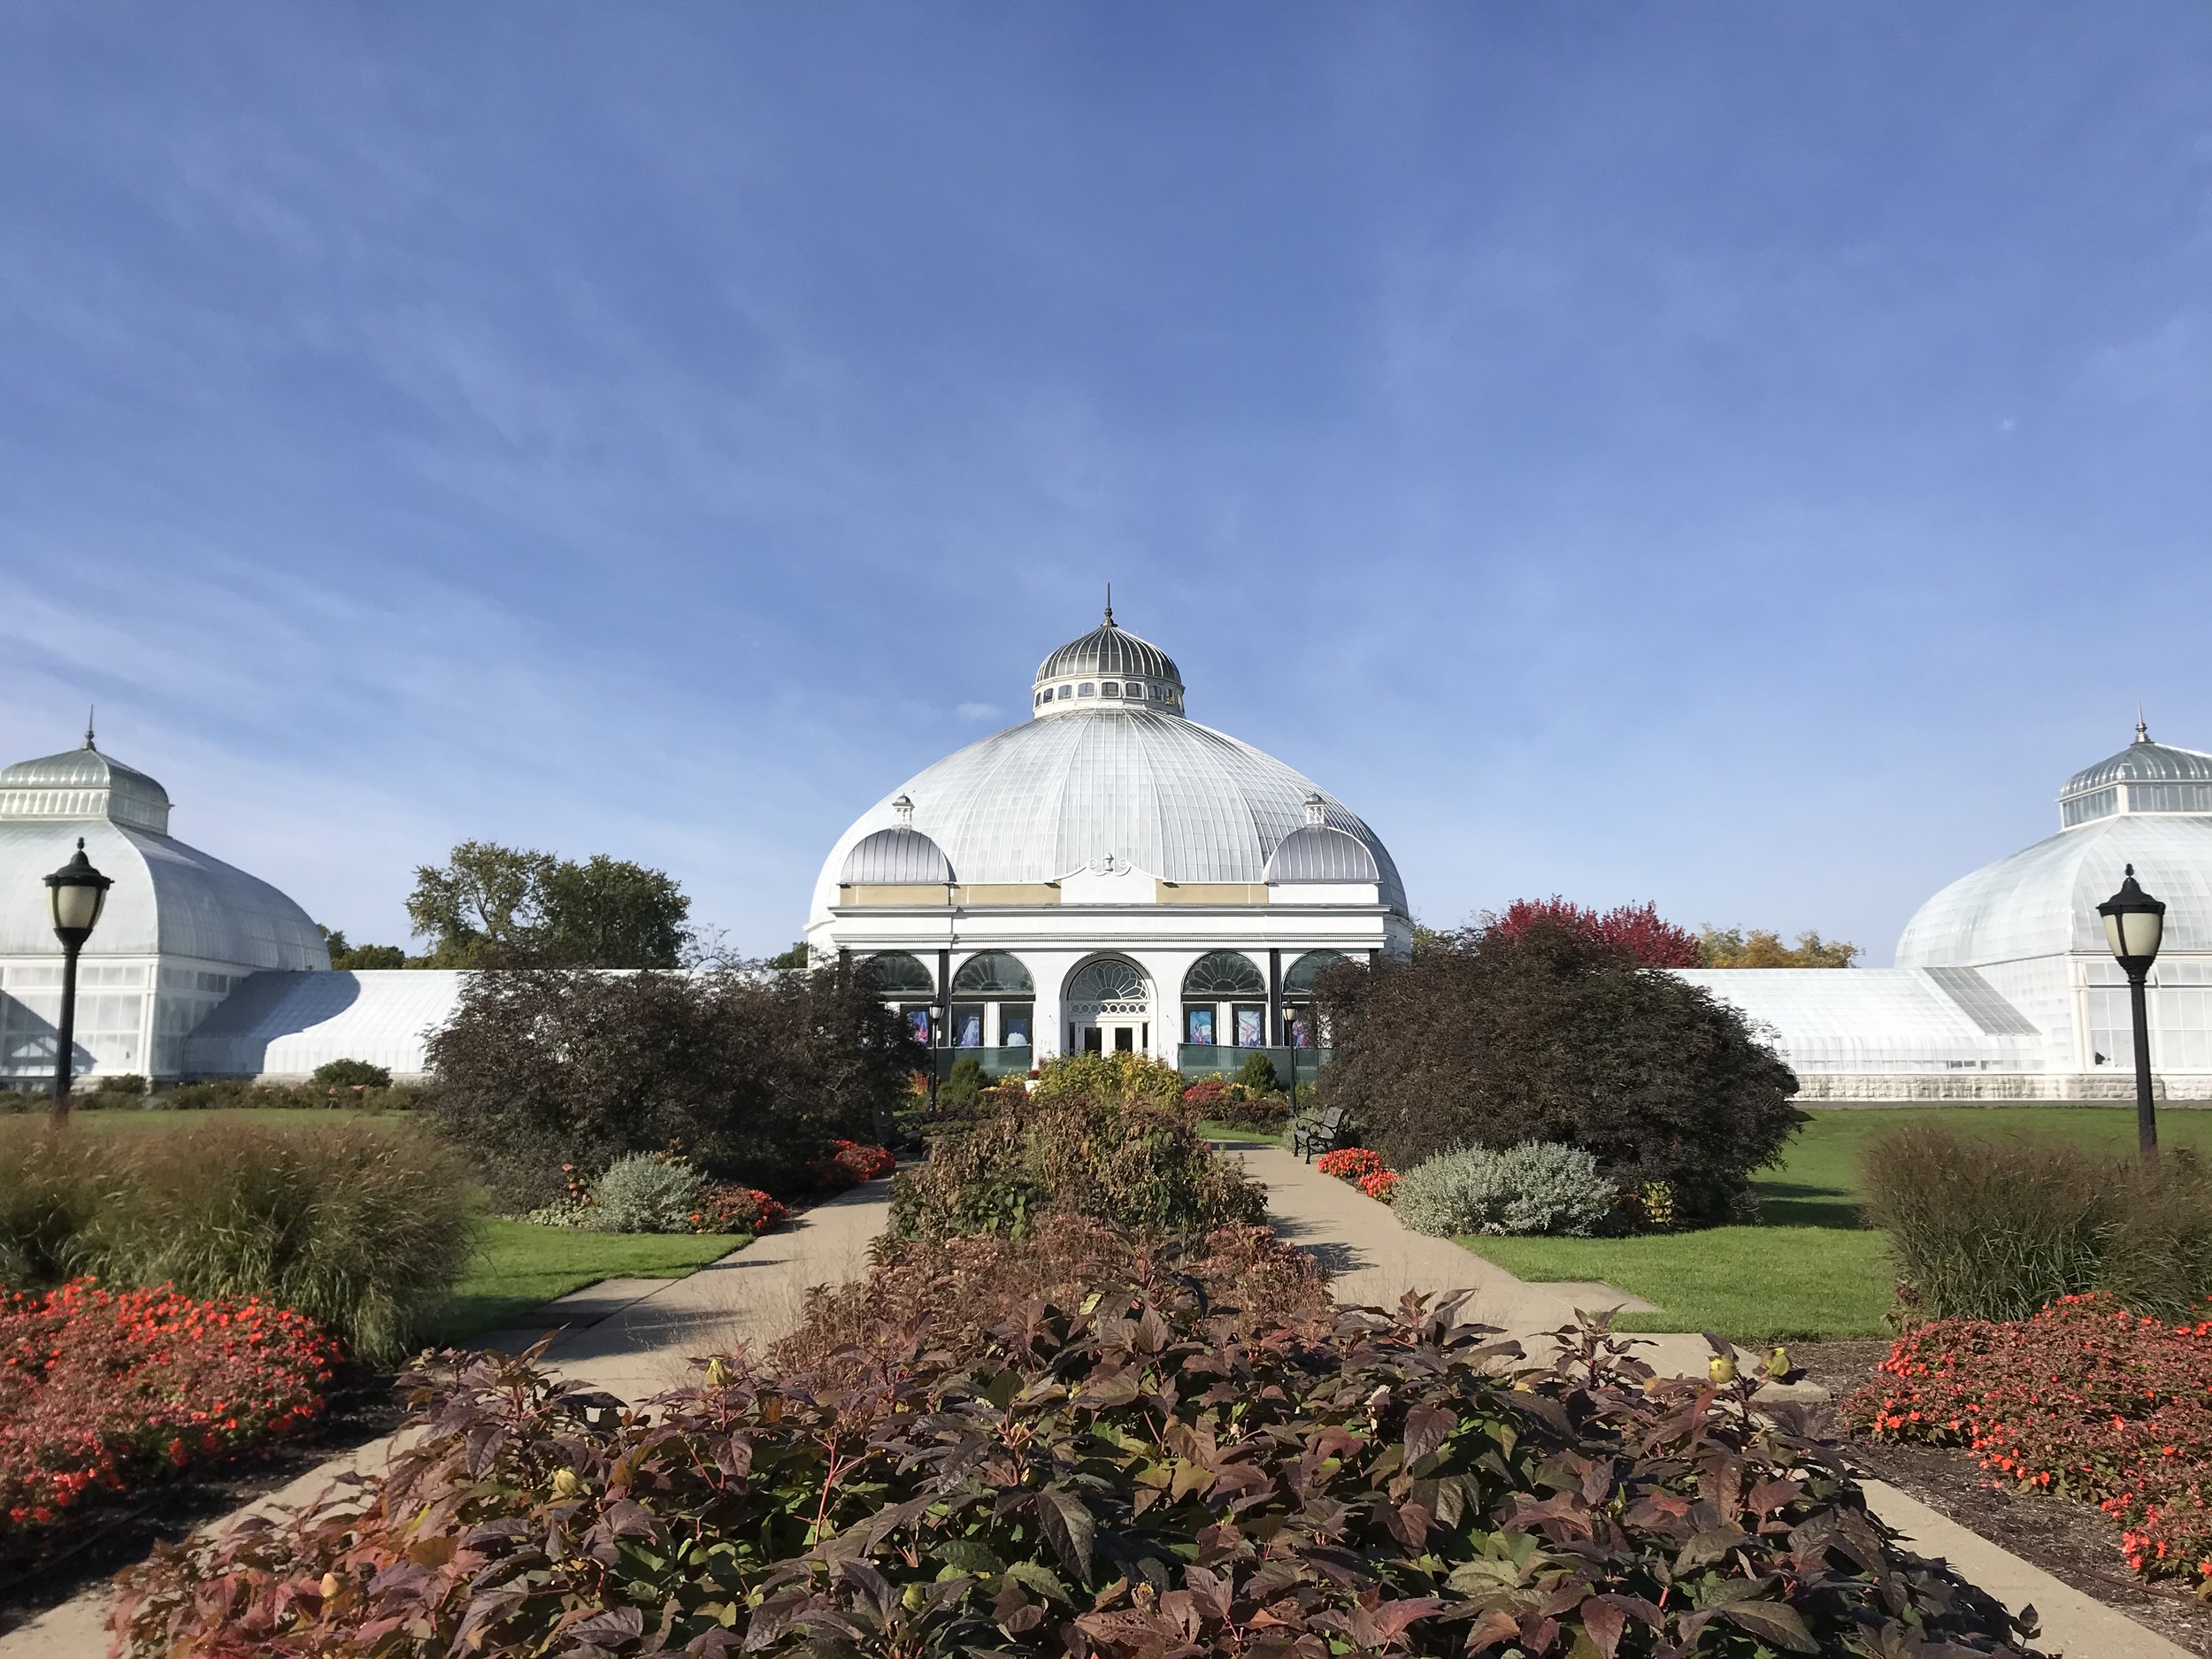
(1636, 930)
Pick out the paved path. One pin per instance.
(631, 1337)
(1377, 1260)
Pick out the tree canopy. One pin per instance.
(494, 906)
(1734, 947)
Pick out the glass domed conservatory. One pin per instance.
(2003, 987)
(180, 932)
(1109, 875)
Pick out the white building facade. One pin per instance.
(1109, 875)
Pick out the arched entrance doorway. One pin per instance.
(1108, 1008)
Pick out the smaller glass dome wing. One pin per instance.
(994, 973)
(898, 856)
(1320, 852)
(1224, 973)
(1299, 980)
(897, 971)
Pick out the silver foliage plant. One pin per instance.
(644, 1192)
(1538, 1186)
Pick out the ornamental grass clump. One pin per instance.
(52, 1185)
(1996, 1226)
(1128, 1471)
(1536, 1187)
(2085, 1399)
(1116, 1158)
(363, 1229)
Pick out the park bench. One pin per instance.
(1318, 1135)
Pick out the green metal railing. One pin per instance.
(1294, 1068)
(995, 1061)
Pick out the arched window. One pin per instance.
(1226, 973)
(1133, 688)
(1111, 688)
(1108, 980)
(898, 974)
(994, 973)
(1089, 688)
(1066, 692)
(1299, 981)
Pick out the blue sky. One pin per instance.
(1738, 455)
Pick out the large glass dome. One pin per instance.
(2150, 805)
(1126, 778)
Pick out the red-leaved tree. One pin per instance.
(1648, 938)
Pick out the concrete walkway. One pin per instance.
(631, 1337)
(1376, 1261)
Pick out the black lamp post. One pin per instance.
(2134, 923)
(76, 894)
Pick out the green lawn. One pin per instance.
(1812, 1270)
(520, 1264)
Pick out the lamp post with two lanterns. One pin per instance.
(2134, 923)
(75, 894)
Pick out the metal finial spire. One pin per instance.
(1110, 605)
(2142, 732)
(88, 713)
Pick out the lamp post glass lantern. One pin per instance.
(2134, 927)
(75, 896)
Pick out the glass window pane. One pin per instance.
(1198, 1025)
(1251, 1027)
(1014, 1025)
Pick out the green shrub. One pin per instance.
(121, 1086)
(351, 1074)
(963, 1084)
(1497, 1035)
(1994, 1227)
(1112, 1474)
(364, 1230)
(1132, 1076)
(755, 1077)
(52, 1184)
(1538, 1186)
(1257, 1074)
(644, 1192)
(1127, 1161)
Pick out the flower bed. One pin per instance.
(1378, 1183)
(2085, 1399)
(1123, 1476)
(1348, 1163)
(725, 1207)
(102, 1389)
(850, 1164)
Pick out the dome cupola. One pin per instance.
(2144, 777)
(1108, 668)
(81, 783)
